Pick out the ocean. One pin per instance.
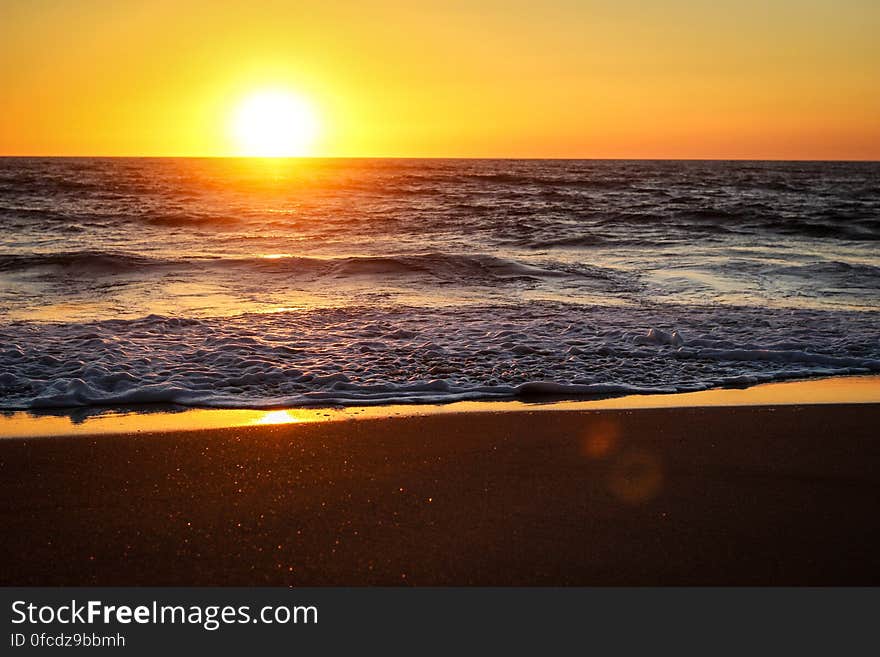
(247, 283)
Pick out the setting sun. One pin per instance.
(274, 124)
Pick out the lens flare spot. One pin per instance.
(600, 439)
(636, 476)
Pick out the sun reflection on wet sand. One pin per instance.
(597, 444)
(22, 425)
(278, 417)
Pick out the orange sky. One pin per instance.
(791, 79)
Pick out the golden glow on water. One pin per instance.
(598, 444)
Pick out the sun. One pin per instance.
(274, 123)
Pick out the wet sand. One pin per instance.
(748, 495)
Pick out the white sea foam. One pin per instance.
(406, 355)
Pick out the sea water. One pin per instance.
(260, 283)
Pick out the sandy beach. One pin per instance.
(751, 495)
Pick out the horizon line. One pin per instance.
(439, 157)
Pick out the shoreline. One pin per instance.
(852, 389)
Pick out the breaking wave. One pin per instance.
(439, 265)
(364, 356)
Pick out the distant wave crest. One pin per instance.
(438, 265)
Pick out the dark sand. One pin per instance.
(763, 495)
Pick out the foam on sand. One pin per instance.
(361, 356)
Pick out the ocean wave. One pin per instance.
(856, 270)
(82, 261)
(848, 229)
(188, 219)
(440, 265)
(437, 265)
(360, 356)
(573, 242)
(550, 181)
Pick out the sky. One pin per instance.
(771, 79)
